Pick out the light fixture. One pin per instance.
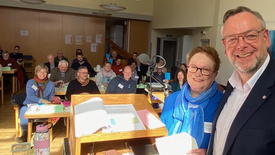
(112, 7)
(102, 13)
(33, 1)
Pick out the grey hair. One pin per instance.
(241, 9)
(63, 62)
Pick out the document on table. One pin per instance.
(44, 109)
(151, 121)
(123, 118)
(176, 144)
(90, 116)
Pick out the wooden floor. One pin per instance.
(7, 129)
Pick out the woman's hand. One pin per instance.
(46, 101)
(197, 152)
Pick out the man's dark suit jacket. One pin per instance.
(48, 65)
(253, 130)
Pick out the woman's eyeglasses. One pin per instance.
(194, 69)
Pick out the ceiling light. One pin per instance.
(101, 13)
(112, 7)
(33, 1)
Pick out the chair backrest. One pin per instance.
(18, 99)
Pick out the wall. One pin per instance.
(87, 7)
(183, 13)
(47, 32)
(137, 36)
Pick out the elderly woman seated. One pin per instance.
(39, 90)
(192, 109)
(105, 75)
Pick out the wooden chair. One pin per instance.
(17, 120)
(2, 89)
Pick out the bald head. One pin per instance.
(127, 72)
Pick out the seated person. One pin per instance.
(113, 57)
(183, 67)
(158, 74)
(105, 75)
(82, 84)
(38, 90)
(82, 62)
(134, 58)
(59, 57)
(134, 76)
(179, 80)
(188, 110)
(17, 55)
(6, 61)
(79, 51)
(62, 74)
(160, 65)
(142, 69)
(50, 64)
(118, 67)
(122, 84)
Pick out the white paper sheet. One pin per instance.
(176, 144)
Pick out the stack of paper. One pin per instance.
(176, 144)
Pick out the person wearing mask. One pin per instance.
(39, 90)
(82, 84)
(105, 75)
(193, 109)
(245, 121)
(122, 84)
(62, 75)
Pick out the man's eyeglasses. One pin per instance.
(194, 69)
(249, 37)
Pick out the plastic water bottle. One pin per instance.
(42, 140)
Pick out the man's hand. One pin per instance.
(197, 152)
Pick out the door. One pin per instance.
(167, 48)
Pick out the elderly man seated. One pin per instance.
(122, 84)
(105, 75)
(82, 84)
(62, 74)
(7, 61)
(50, 64)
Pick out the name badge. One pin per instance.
(136, 77)
(207, 127)
(120, 86)
(9, 64)
(34, 87)
(120, 70)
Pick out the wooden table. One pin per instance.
(62, 90)
(32, 116)
(14, 79)
(139, 102)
